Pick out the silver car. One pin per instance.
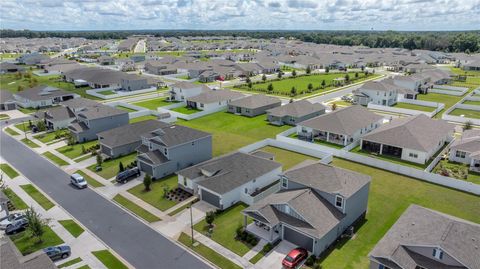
(7, 221)
(78, 181)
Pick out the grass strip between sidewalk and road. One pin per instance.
(72, 227)
(135, 209)
(55, 159)
(7, 169)
(109, 260)
(37, 196)
(70, 263)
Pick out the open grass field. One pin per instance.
(75, 151)
(109, 260)
(142, 118)
(467, 113)
(414, 107)
(37, 196)
(231, 132)
(110, 167)
(27, 244)
(152, 104)
(72, 227)
(155, 196)
(135, 209)
(55, 159)
(7, 169)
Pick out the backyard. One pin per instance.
(110, 167)
(231, 132)
(414, 107)
(467, 113)
(27, 244)
(155, 196)
(142, 118)
(185, 110)
(152, 104)
(456, 170)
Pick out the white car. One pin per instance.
(78, 181)
(10, 219)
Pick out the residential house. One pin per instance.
(6, 67)
(466, 149)
(253, 105)
(342, 126)
(13, 259)
(213, 99)
(32, 58)
(180, 91)
(7, 101)
(414, 139)
(415, 82)
(317, 203)
(42, 96)
(428, 239)
(127, 138)
(295, 112)
(383, 93)
(171, 148)
(473, 65)
(56, 118)
(98, 78)
(229, 179)
(105, 60)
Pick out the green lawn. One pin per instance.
(27, 244)
(180, 209)
(72, 227)
(110, 167)
(471, 102)
(152, 104)
(84, 267)
(37, 196)
(414, 107)
(390, 195)
(7, 169)
(4, 117)
(125, 108)
(135, 209)
(87, 156)
(107, 92)
(17, 202)
(288, 159)
(142, 118)
(75, 151)
(49, 137)
(231, 132)
(155, 195)
(70, 263)
(55, 159)
(226, 224)
(467, 113)
(185, 110)
(10, 131)
(30, 143)
(459, 71)
(109, 260)
(456, 170)
(22, 126)
(208, 253)
(91, 181)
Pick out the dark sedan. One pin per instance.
(17, 227)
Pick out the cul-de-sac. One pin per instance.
(240, 134)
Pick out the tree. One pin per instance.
(264, 78)
(467, 126)
(363, 68)
(147, 181)
(327, 69)
(209, 218)
(334, 107)
(270, 88)
(70, 140)
(120, 167)
(293, 91)
(279, 75)
(250, 85)
(36, 225)
(20, 88)
(294, 73)
(83, 149)
(347, 78)
(166, 190)
(99, 160)
(308, 70)
(248, 80)
(356, 74)
(41, 126)
(310, 87)
(323, 84)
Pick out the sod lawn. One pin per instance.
(49, 137)
(185, 110)
(10, 131)
(467, 113)
(471, 102)
(152, 104)
(29, 143)
(55, 159)
(7, 169)
(110, 167)
(37, 196)
(135, 209)
(109, 260)
(4, 117)
(155, 196)
(27, 244)
(17, 202)
(91, 181)
(75, 151)
(231, 132)
(288, 159)
(142, 118)
(72, 227)
(125, 108)
(70, 262)
(414, 107)
(107, 92)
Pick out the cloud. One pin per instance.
(241, 14)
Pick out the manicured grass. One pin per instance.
(4, 117)
(49, 137)
(107, 92)
(22, 127)
(10, 131)
(231, 132)
(358, 150)
(456, 170)
(208, 253)
(185, 110)
(287, 158)
(91, 182)
(72, 227)
(390, 195)
(30, 143)
(467, 113)
(226, 224)
(142, 118)
(155, 195)
(471, 102)
(55, 159)
(75, 151)
(17, 202)
(152, 104)
(37, 196)
(109, 260)
(7, 169)
(265, 250)
(328, 144)
(87, 156)
(110, 167)
(459, 71)
(125, 108)
(84, 267)
(70, 263)
(134, 208)
(27, 244)
(414, 107)
(180, 209)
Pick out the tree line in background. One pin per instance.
(468, 41)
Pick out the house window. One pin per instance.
(185, 181)
(165, 151)
(193, 143)
(437, 253)
(201, 105)
(460, 154)
(413, 155)
(284, 182)
(246, 190)
(304, 130)
(339, 201)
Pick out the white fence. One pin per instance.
(446, 116)
(438, 108)
(449, 90)
(438, 157)
(96, 92)
(189, 116)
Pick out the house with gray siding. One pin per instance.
(42, 96)
(7, 101)
(229, 179)
(212, 100)
(295, 112)
(424, 238)
(127, 138)
(171, 148)
(253, 105)
(317, 203)
(466, 149)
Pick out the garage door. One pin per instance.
(297, 238)
(210, 198)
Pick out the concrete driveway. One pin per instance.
(274, 259)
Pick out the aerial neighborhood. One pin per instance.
(237, 151)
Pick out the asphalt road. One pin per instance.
(137, 243)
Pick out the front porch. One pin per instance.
(263, 231)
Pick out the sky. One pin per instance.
(407, 15)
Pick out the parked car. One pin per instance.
(294, 258)
(125, 176)
(60, 252)
(17, 227)
(78, 181)
(10, 220)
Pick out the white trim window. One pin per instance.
(437, 253)
(339, 201)
(413, 155)
(460, 154)
(284, 182)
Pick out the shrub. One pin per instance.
(209, 218)
(310, 260)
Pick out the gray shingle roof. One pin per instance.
(415, 132)
(256, 101)
(129, 133)
(214, 96)
(42, 92)
(11, 258)
(173, 135)
(419, 226)
(296, 109)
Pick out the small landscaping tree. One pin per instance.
(36, 225)
(327, 69)
(250, 85)
(248, 80)
(41, 126)
(356, 74)
(99, 160)
(323, 84)
(166, 190)
(147, 182)
(467, 126)
(120, 167)
(279, 75)
(334, 107)
(264, 78)
(20, 88)
(83, 149)
(270, 88)
(294, 73)
(308, 70)
(71, 140)
(310, 87)
(347, 78)
(293, 91)
(209, 218)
